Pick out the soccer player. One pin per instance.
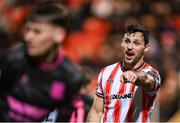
(126, 90)
(36, 77)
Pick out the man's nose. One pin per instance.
(28, 36)
(129, 46)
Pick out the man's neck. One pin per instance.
(48, 58)
(127, 66)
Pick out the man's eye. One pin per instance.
(126, 41)
(37, 31)
(26, 29)
(136, 43)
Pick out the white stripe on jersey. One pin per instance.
(131, 106)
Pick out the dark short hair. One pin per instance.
(52, 13)
(139, 28)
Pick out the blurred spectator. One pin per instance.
(169, 92)
(99, 8)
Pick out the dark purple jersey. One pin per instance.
(29, 91)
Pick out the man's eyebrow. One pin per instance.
(126, 38)
(136, 40)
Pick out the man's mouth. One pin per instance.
(129, 54)
(30, 47)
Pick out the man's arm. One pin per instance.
(96, 110)
(139, 78)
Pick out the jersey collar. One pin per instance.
(136, 69)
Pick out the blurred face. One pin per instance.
(39, 38)
(133, 47)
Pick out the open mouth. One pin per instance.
(129, 54)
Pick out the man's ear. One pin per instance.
(122, 42)
(147, 47)
(59, 35)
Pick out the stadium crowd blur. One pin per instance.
(95, 33)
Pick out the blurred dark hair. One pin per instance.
(139, 28)
(49, 12)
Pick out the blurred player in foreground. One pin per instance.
(35, 76)
(126, 90)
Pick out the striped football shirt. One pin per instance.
(125, 102)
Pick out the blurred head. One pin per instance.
(45, 28)
(135, 43)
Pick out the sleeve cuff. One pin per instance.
(100, 95)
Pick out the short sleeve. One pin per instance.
(99, 88)
(157, 79)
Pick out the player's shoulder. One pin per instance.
(68, 65)
(111, 66)
(148, 67)
(71, 70)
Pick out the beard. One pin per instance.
(133, 60)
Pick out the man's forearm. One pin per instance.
(145, 81)
(94, 116)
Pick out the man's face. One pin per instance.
(39, 38)
(133, 47)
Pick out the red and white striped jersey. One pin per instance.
(125, 102)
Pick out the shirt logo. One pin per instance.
(118, 96)
(122, 96)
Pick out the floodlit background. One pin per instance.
(95, 33)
